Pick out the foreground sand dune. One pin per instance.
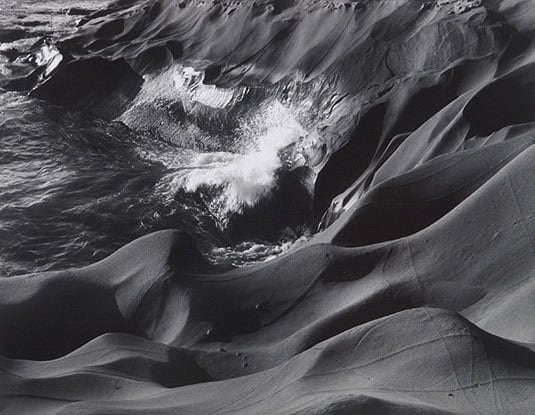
(316, 345)
(321, 329)
(417, 296)
(417, 361)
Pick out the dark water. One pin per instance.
(74, 188)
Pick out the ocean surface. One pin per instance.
(75, 188)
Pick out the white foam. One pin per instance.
(242, 179)
(247, 253)
(49, 56)
(269, 138)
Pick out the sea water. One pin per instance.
(75, 188)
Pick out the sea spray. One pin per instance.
(49, 57)
(226, 145)
(236, 150)
(237, 180)
(249, 252)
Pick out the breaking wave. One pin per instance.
(241, 179)
(228, 145)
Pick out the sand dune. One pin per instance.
(317, 343)
(362, 370)
(417, 294)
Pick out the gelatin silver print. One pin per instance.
(267, 207)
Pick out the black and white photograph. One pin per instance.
(267, 207)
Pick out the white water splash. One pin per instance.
(243, 164)
(248, 253)
(240, 180)
(48, 56)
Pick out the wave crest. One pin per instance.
(235, 180)
(227, 145)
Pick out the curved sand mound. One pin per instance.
(416, 296)
(322, 328)
(417, 361)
